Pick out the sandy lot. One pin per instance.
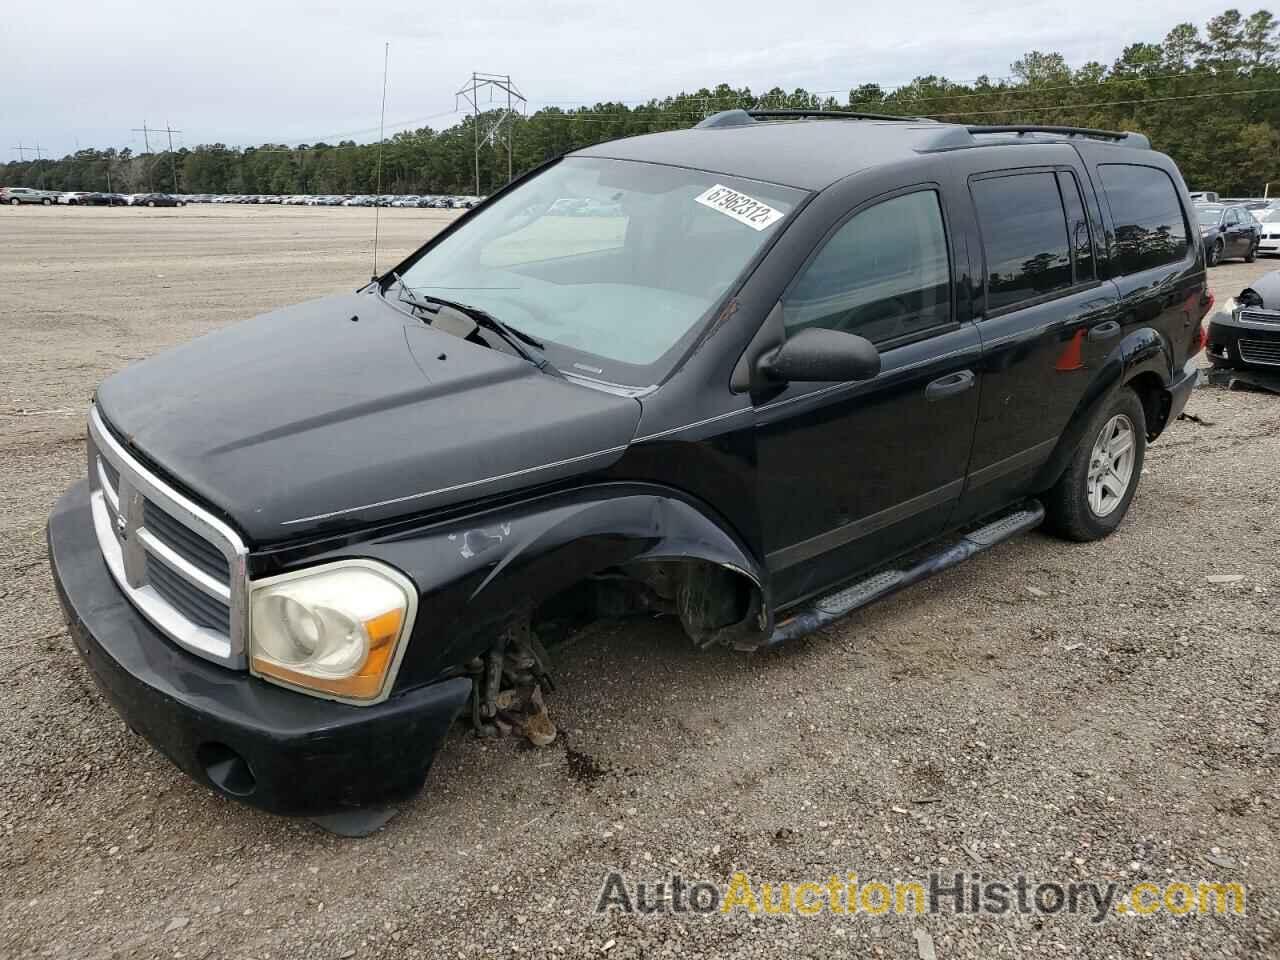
(1065, 711)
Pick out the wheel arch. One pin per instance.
(1142, 361)
(475, 574)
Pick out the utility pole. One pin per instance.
(146, 139)
(500, 83)
(173, 157)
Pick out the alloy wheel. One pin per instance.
(1111, 466)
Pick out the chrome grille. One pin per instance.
(186, 542)
(1260, 316)
(182, 567)
(196, 606)
(1266, 352)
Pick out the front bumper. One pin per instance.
(282, 751)
(1260, 351)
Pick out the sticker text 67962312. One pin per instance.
(741, 207)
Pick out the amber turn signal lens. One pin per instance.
(366, 682)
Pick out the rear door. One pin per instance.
(1046, 320)
(1241, 232)
(851, 474)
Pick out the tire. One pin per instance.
(1083, 508)
(1252, 255)
(14, 202)
(45, 202)
(151, 203)
(1214, 255)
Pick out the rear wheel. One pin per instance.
(14, 202)
(1252, 255)
(1092, 496)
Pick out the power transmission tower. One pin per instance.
(498, 83)
(22, 152)
(146, 140)
(173, 157)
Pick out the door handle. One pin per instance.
(1105, 330)
(950, 384)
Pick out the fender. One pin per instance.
(475, 573)
(1142, 352)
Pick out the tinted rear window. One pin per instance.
(1151, 230)
(1024, 236)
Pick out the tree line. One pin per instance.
(1209, 98)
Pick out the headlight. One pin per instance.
(337, 629)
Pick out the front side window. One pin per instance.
(613, 265)
(1151, 230)
(1024, 237)
(884, 275)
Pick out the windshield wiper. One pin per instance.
(522, 343)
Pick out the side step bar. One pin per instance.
(833, 606)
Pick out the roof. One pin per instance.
(812, 153)
(809, 154)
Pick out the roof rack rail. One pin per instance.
(1128, 138)
(738, 118)
(829, 114)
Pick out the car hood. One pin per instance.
(344, 411)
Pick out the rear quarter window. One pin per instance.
(1150, 227)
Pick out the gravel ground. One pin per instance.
(1067, 711)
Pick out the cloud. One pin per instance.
(248, 72)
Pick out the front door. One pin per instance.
(853, 474)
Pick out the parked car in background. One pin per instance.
(70, 198)
(1203, 196)
(1245, 333)
(1269, 230)
(156, 200)
(18, 195)
(101, 200)
(1227, 231)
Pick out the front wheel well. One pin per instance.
(714, 602)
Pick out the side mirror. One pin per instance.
(818, 355)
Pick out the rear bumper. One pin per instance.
(1180, 389)
(282, 751)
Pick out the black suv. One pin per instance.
(752, 375)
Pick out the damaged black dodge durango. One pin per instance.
(752, 375)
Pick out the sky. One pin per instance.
(87, 72)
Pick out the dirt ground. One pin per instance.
(1066, 711)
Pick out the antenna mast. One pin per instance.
(382, 136)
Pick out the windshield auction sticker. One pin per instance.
(741, 207)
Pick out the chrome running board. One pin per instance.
(825, 610)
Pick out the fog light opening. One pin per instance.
(226, 769)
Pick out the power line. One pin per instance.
(1110, 103)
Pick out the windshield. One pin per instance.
(1209, 216)
(1269, 215)
(611, 264)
